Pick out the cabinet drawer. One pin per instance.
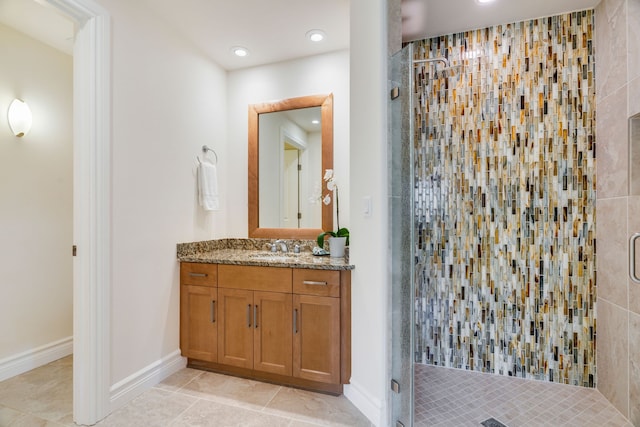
(270, 279)
(324, 283)
(194, 273)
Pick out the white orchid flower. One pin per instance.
(332, 187)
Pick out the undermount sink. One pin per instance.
(275, 256)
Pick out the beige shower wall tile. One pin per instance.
(634, 288)
(633, 34)
(613, 354)
(634, 157)
(611, 262)
(634, 369)
(634, 95)
(634, 227)
(610, 47)
(613, 152)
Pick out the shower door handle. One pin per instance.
(632, 257)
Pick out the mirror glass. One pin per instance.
(290, 153)
(290, 146)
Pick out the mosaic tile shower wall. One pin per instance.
(505, 200)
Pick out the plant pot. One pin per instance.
(336, 246)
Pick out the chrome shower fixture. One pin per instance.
(438, 59)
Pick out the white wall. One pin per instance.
(168, 100)
(358, 82)
(36, 205)
(368, 241)
(321, 74)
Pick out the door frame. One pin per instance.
(91, 207)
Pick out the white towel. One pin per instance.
(208, 187)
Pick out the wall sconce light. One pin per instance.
(20, 118)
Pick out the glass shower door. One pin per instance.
(401, 230)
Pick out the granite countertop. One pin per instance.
(255, 252)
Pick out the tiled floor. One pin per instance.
(444, 397)
(450, 397)
(43, 398)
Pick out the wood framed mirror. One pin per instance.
(280, 146)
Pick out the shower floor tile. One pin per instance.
(452, 397)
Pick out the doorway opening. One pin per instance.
(92, 207)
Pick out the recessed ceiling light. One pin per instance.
(240, 51)
(316, 35)
(315, 122)
(484, 1)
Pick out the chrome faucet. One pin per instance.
(283, 245)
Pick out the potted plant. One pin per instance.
(340, 238)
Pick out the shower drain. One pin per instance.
(492, 422)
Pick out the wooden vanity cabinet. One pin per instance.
(254, 330)
(198, 311)
(316, 338)
(236, 333)
(255, 318)
(272, 334)
(284, 325)
(322, 324)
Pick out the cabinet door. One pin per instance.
(235, 327)
(272, 351)
(316, 338)
(198, 327)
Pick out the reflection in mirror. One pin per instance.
(290, 144)
(288, 154)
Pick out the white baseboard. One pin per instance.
(31, 359)
(134, 385)
(367, 404)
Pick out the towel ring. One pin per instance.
(206, 148)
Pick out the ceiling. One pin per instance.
(38, 21)
(428, 18)
(274, 30)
